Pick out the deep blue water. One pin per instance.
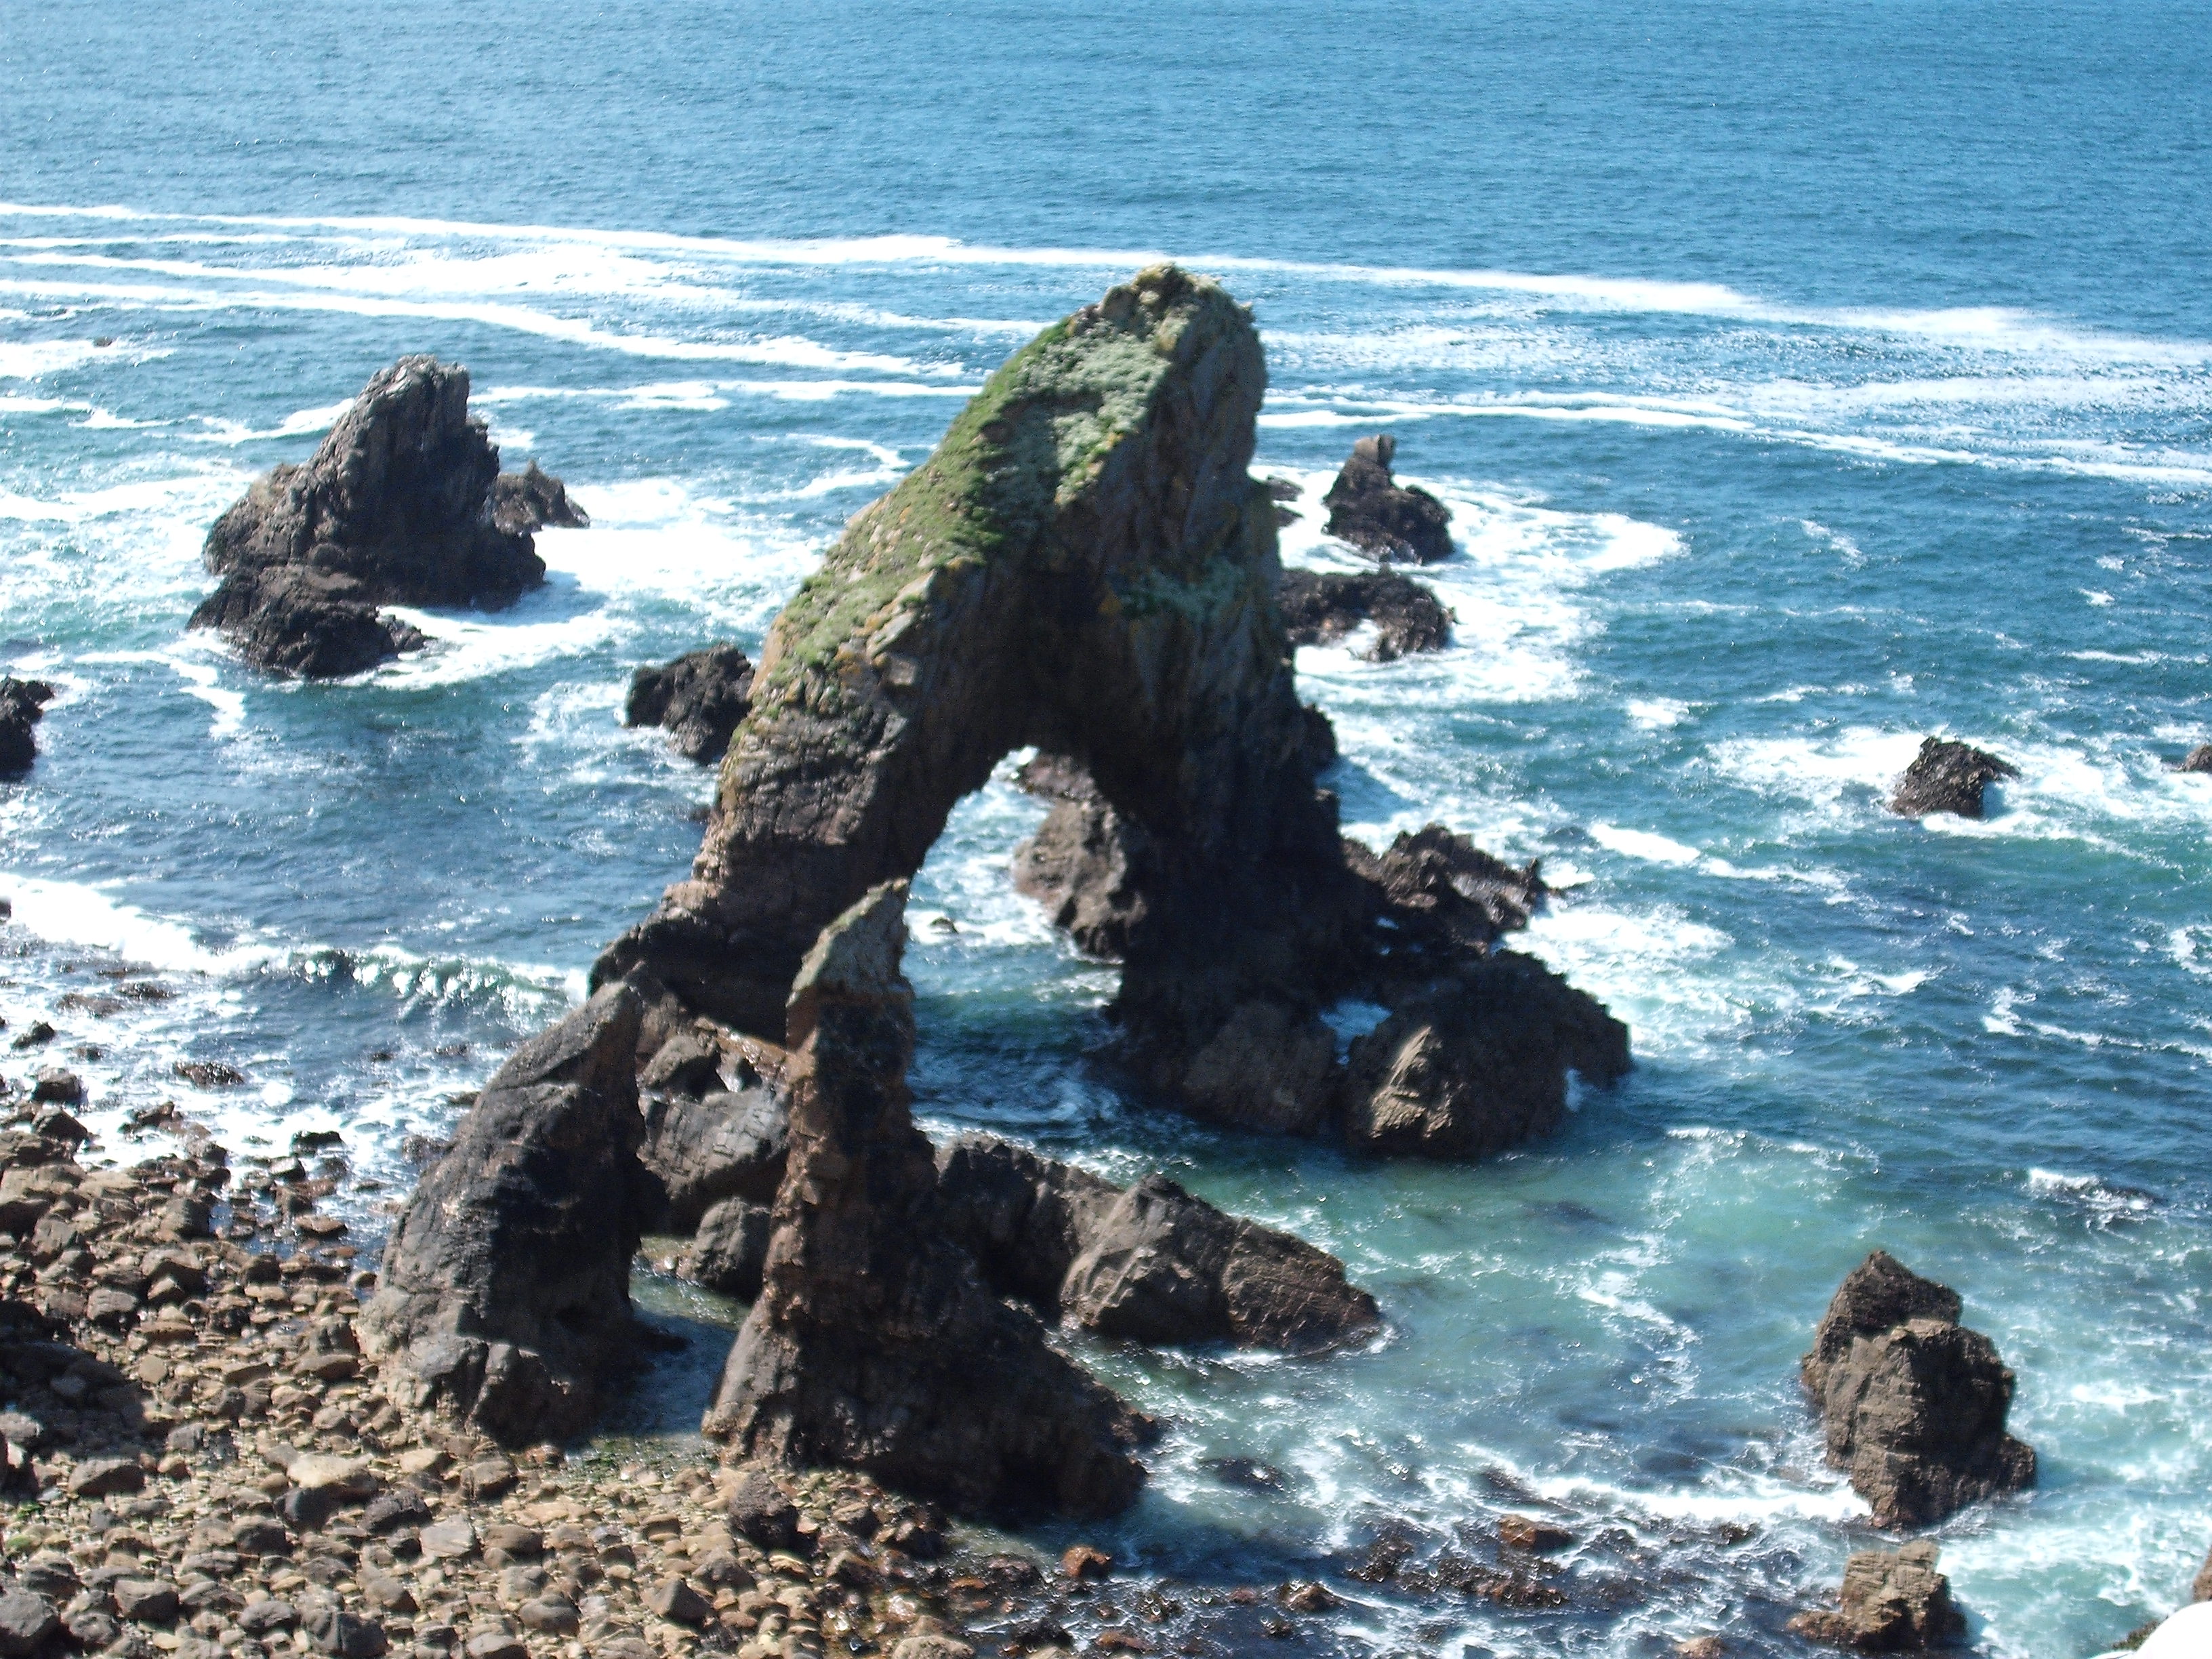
(1805, 378)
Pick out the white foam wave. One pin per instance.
(78, 913)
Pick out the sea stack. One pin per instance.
(1383, 519)
(1914, 1402)
(403, 503)
(1947, 776)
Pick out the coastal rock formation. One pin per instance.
(402, 504)
(2198, 759)
(22, 706)
(700, 1151)
(728, 1252)
(1948, 777)
(699, 698)
(1147, 1263)
(1320, 608)
(1382, 518)
(1086, 566)
(505, 1293)
(1914, 1403)
(1890, 1603)
(874, 1343)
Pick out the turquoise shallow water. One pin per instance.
(1804, 378)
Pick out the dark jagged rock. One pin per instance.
(1320, 608)
(1445, 896)
(729, 1252)
(1372, 511)
(533, 499)
(699, 698)
(1948, 777)
(398, 507)
(1914, 1410)
(1086, 567)
(22, 706)
(874, 1343)
(699, 1151)
(1147, 1263)
(2198, 759)
(1889, 1603)
(505, 1296)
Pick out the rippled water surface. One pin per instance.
(1804, 378)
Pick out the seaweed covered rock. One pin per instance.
(699, 698)
(402, 504)
(1890, 1603)
(22, 706)
(1147, 1263)
(874, 1343)
(1914, 1404)
(1947, 776)
(505, 1293)
(1321, 607)
(1383, 519)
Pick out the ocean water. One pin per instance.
(1804, 378)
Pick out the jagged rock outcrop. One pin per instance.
(1321, 607)
(1914, 1403)
(505, 1293)
(700, 1151)
(1381, 517)
(1148, 1263)
(22, 706)
(2198, 759)
(874, 1343)
(699, 698)
(1890, 1603)
(1084, 567)
(1948, 777)
(402, 504)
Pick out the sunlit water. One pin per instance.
(1803, 380)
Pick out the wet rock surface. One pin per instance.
(699, 698)
(1914, 1404)
(402, 504)
(2198, 759)
(1368, 508)
(22, 706)
(1321, 608)
(1947, 776)
(874, 1343)
(505, 1294)
(1890, 1603)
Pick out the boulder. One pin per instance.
(2198, 759)
(1915, 1410)
(875, 1343)
(1948, 777)
(22, 706)
(1889, 1603)
(699, 1153)
(1085, 568)
(699, 698)
(729, 1251)
(396, 508)
(1148, 1263)
(504, 1298)
(1372, 511)
(532, 500)
(1321, 608)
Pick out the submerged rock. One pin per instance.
(1914, 1403)
(699, 697)
(1382, 518)
(22, 706)
(1889, 1603)
(1148, 1263)
(874, 1343)
(505, 1293)
(402, 504)
(1320, 608)
(1948, 777)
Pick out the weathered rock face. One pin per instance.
(1948, 777)
(1915, 1409)
(402, 504)
(1084, 567)
(531, 500)
(22, 706)
(2198, 759)
(1320, 608)
(729, 1251)
(1369, 509)
(698, 1151)
(1147, 1263)
(1889, 1603)
(699, 698)
(874, 1343)
(505, 1298)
